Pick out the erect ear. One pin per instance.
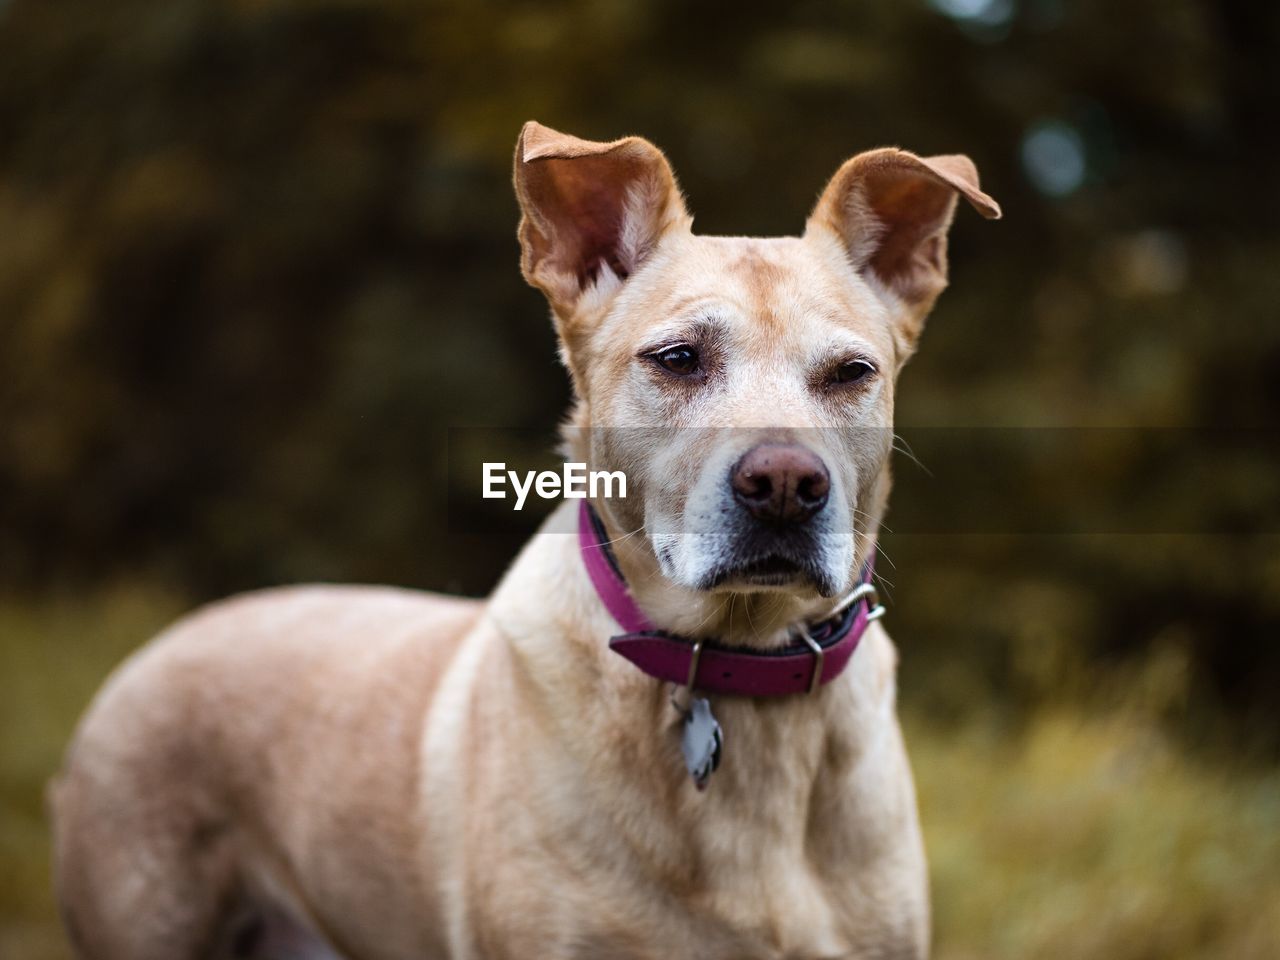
(591, 211)
(891, 210)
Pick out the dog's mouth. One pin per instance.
(770, 571)
(773, 569)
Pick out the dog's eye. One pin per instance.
(681, 360)
(852, 371)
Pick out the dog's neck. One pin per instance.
(790, 764)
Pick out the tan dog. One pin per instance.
(376, 773)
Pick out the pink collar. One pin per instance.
(817, 658)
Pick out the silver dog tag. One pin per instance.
(701, 741)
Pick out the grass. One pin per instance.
(1082, 833)
(1090, 837)
(52, 658)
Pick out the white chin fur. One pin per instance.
(691, 560)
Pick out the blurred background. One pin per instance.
(258, 257)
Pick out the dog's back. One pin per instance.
(306, 702)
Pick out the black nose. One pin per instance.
(780, 483)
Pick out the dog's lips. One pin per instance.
(769, 568)
(772, 570)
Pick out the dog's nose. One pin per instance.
(781, 483)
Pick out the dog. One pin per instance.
(664, 736)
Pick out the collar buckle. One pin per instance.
(875, 610)
(819, 657)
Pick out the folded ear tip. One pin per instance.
(989, 209)
(963, 174)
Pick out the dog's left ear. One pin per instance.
(891, 209)
(589, 210)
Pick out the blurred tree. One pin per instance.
(256, 257)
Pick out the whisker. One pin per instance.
(886, 584)
(907, 452)
(715, 612)
(609, 543)
(881, 552)
(870, 519)
(755, 632)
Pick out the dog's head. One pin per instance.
(745, 386)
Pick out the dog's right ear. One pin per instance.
(591, 212)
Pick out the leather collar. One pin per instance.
(817, 657)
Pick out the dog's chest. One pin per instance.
(791, 868)
(792, 904)
(798, 918)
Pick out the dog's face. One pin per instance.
(744, 385)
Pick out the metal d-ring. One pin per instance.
(875, 609)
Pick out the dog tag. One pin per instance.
(701, 741)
